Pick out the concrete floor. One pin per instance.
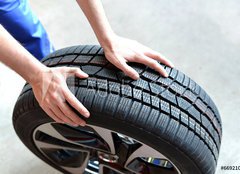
(201, 37)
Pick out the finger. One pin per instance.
(73, 101)
(79, 73)
(67, 111)
(129, 71)
(58, 112)
(151, 63)
(75, 71)
(51, 114)
(157, 56)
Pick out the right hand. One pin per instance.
(52, 93)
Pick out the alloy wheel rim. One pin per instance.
(96, 150)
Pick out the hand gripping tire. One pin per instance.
(154, 125)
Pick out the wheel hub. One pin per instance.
(109, 158)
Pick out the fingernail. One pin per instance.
(87, 114)
(136, 76)
(171, 65)
(75, 125)
(165, 74)
(82, 124)
(86, 75)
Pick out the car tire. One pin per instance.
(171, 122)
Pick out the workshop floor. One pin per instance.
(201, 37)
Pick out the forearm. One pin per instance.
(17, 58)
(95, 14)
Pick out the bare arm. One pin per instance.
(17, 58)
(49, 84)
(120, 50)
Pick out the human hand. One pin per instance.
(120, 50)
(52, 93)
(48, 84)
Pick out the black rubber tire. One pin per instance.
(173, 115)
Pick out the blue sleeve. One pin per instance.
(17, 17)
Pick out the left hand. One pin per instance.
(120, 50)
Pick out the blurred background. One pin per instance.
(202, 38)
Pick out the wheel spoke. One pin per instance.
(51, 131)
(44, 145)
(78, 170)
(57, 142)
(145, 151)
(136, 161)
(79, 137)
(106, 135)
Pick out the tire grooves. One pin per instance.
(186, 87)
(134, 99)
(167, 88)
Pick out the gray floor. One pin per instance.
(202, 38)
